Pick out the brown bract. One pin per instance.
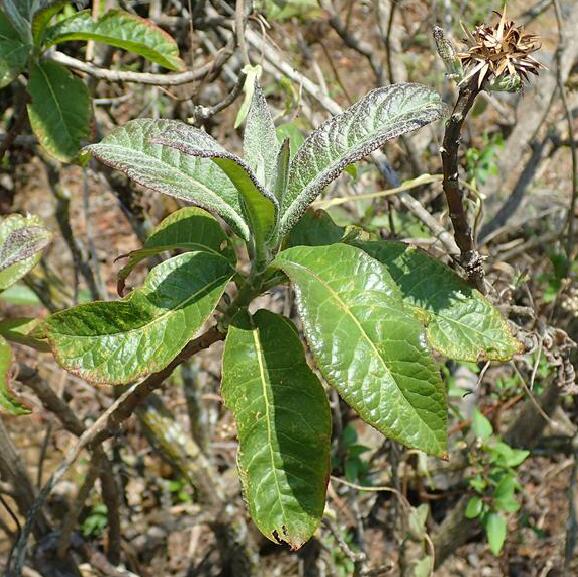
(500, 50)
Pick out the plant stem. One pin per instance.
(470, 259)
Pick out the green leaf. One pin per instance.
(22, 240)
(18, 330)
(189, 228)
(8, 403)
(117, 342)
(260, 205)
(291, 132)
(381, 115)
(13, 52)
(367, 345)
(60, 110)
(496, 529)
(44, 10)
(424, 567)
(167, 170)
(474, 507)
(19, 13)
(505, 495)
(481, 426)
(315, 228)
(122, 30)
(504, 456)
(260, 146)
(416, 522)
(282, 170)
(461, 323)
(283, 425)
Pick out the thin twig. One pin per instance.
(204, 113)
(240, 25)
(470, 259)
(353, 42)
(145, 77)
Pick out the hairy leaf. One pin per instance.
(13, 52)
(167, 170)
(383, 114)
(117, 342)
(283, 159)
(122, 30)
(8, 403)
(60, 110)
(189, 228)
(367, 345)
(461, 324)
(283, 425)
(252, 75)
(22, 240)
(260, 205)
(260, 146)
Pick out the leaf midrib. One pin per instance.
(336, 163)
(259, 351)
(180, 306)
(60, 114)
(369, 340)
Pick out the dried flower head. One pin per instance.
(499, 52)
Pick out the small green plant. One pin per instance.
(481, 163)
(95, 522)
(494, 482)
(349, 459)
(22, 241)
(60, 108)
(372, 311)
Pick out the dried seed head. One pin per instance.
(499, 53)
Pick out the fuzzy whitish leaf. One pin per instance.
(367, 345)
(22, 240)
(282, 170)
(60, 111)
(166, 169)
(122, 30)
(189, 228)
(283, 425)
(13, 52)
(8, 403)
(460, 322)
(117, 342)
(383, 114)
(260, 145)
(253, 73)
(496, 529)
(260, 205)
